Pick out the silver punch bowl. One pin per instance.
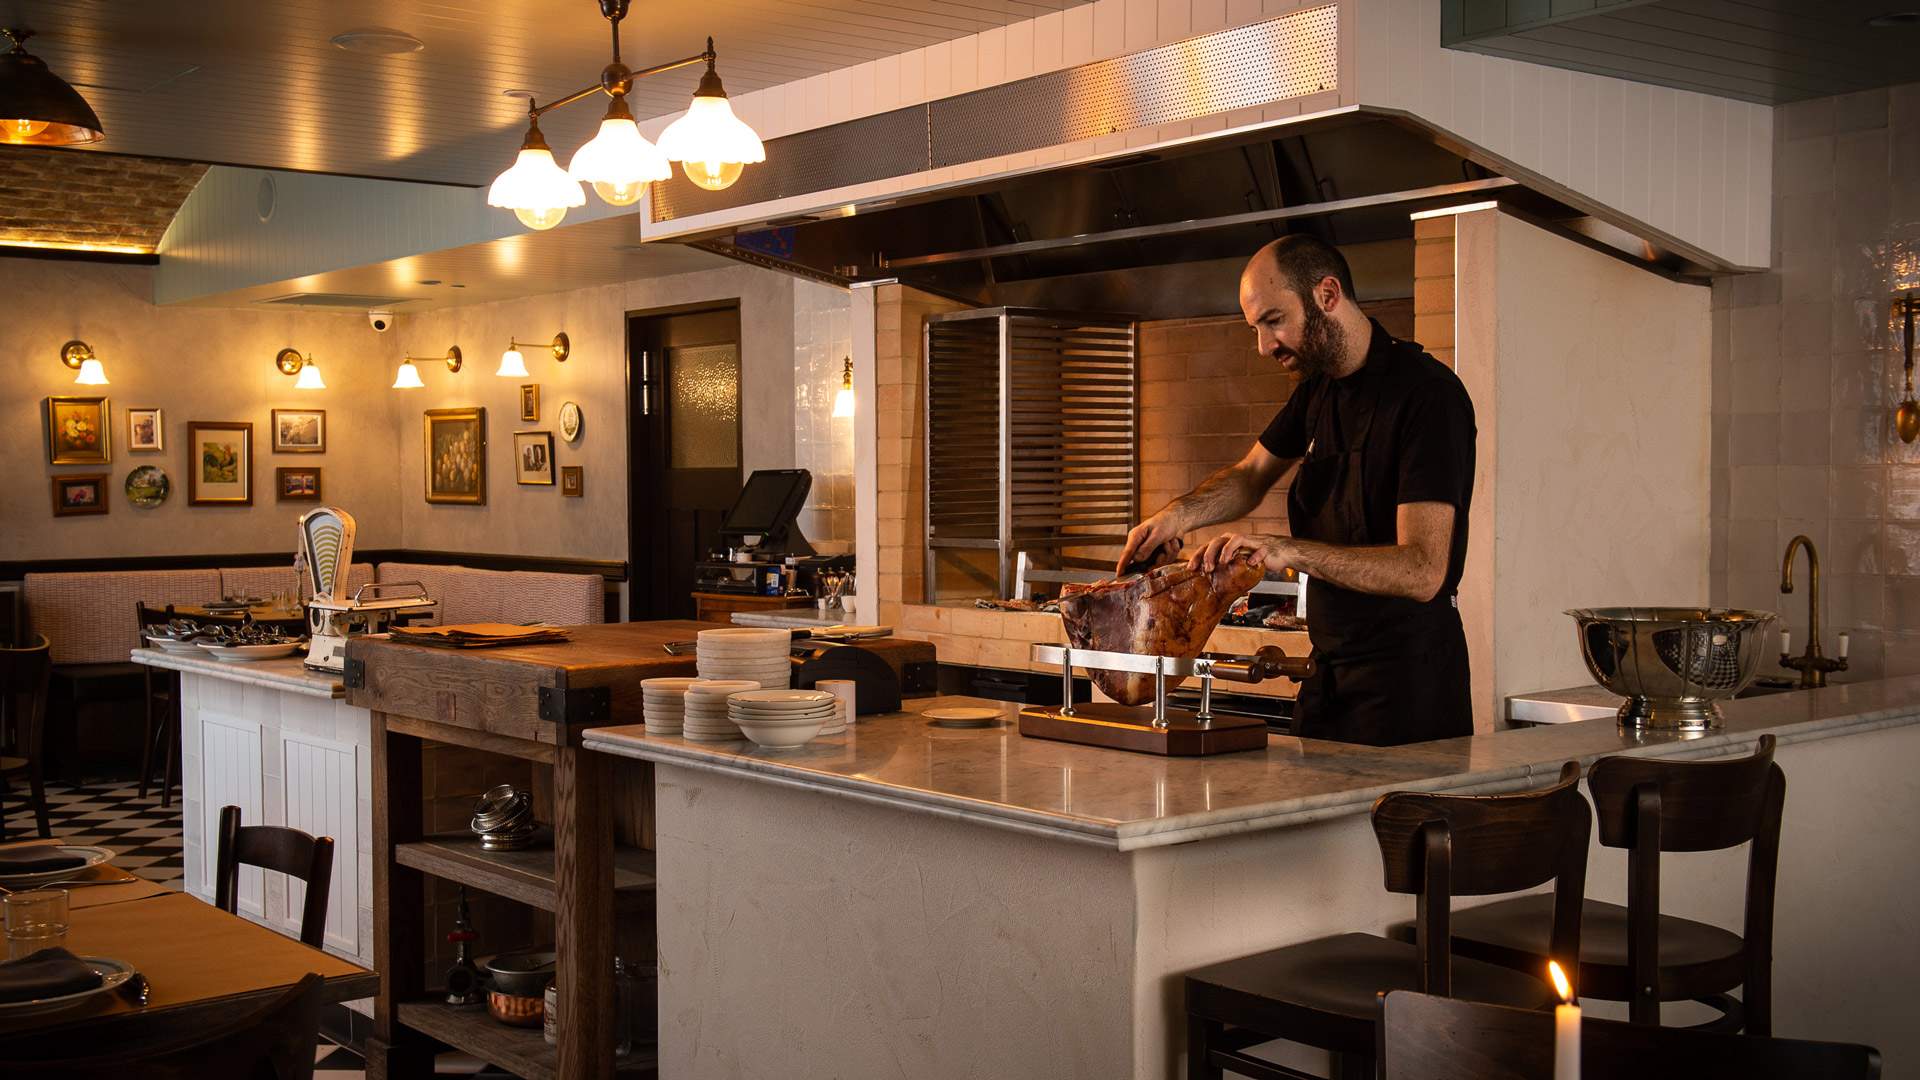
(1672, 664)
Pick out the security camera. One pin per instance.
(381, 321)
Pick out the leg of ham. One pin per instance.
(1170, 611)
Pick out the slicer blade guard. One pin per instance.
(326, 547)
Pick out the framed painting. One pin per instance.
(456, 455)
(299, 431)
(297, 484)
(219, 463)
(572, 481)
(145, 432)
(533, 457)
(530, 402)
(77, 431)
(75, 495)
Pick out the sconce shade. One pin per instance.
(512, 365)
(91, 373)
(407, 377)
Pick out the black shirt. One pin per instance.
(1419, 447)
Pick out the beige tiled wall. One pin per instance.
(899, 313)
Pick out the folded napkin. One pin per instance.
(37, 859)
(47, 973)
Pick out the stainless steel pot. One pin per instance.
(1672, 664)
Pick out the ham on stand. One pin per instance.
(1169, 611)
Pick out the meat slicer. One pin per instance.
(326, 556)
(1156, 728)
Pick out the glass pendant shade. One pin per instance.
(37, 107)
(407, 377)
(711, 144)
(512, 365)
(536, 189)
(843, 403)
(619, 162)
(309, 378)
(91, 373)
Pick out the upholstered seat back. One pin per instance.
(89, 618)
(468, 595)
(269, 580)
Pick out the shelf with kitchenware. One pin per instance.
(522, 1051)
(525, 875)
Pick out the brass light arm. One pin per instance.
(616, 79)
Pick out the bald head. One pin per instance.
(1297, 294)
(1298, 262)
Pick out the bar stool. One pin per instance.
(1635, 954)
(1325, 993)
(163, 709)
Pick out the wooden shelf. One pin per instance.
(525, 875)
(521, 1051)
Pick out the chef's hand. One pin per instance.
(1149, 538)
(1271, 552)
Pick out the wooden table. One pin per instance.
(531, 702)
(262, 613)
(716, 607)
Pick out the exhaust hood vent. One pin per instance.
(348, 301)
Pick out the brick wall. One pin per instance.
(900, 456)
(69, 196)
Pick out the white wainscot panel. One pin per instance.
(230, 761)
(322, 798)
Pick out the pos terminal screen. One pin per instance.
(770, 499)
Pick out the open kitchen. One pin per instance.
(1132, 538)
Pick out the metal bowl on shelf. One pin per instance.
(1672, 664)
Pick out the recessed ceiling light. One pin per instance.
(428, 281)
(516, 92)
(456, 286)
(377, 41)
(1895, 19)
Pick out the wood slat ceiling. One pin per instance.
(256, 82)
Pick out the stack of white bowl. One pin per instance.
(755, 653)
(663, 703)
(778, 719)
(704, 716)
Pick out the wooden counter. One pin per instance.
(530, 702)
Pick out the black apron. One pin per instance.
(1389, 670)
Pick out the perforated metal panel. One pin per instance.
(1285, 57)
(1029, 432)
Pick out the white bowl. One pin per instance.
(786, 698)
(740, 634)
(780, 736)
(239, 653)
(172, 645)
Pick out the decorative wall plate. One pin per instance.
(570, 422)
(148, 486)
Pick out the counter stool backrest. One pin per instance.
(1441, 846)
(275, 847)
(1649, 806)
(24, 673)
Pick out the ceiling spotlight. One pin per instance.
(37, 107)
(377, 41)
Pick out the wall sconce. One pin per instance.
(290, 362)
(78, 355)
(843, 400)
(514, 366)
(1906, 417)
(408, 376)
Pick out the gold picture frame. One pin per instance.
(454, 453)
(220, 463)
(146, 432)
(78, 432)
(530, 402)
(76, 495)
(299, 431)
(299, 483)
(533, 458)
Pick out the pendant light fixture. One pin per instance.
(78, 355)
(619, 161)
(843, 398)
(37, 107)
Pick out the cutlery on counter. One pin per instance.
(136, 989)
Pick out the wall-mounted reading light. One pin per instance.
(1906, 417)
(843, 399)
(78, 355)
(290, 362)
(408, 376)
(513, 365)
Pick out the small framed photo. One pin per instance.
(456, 453)
(299, 431)
(75, 495)
(219, 463)
(77, 431)
(297, 484)
(530, 402)
(533, 457)
(572, 483)
(145, 433)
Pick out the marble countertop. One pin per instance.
(1114, 799)
(289, 673)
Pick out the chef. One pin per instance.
(1383, 437)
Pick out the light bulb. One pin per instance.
(619, 162)
(91, 373)
(843, 403)
(407, 377)
(512, 365)
(713, 175)
(540, 218)
(711, 144)
(21, 130)
(536, 189)
(620, 194)
(309, 378)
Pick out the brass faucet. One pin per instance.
(1812, 665)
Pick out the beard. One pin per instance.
(1322, 342)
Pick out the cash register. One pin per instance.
(758, 536)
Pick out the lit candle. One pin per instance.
(1786, 642)
(1843, 644)
(1566, 1027)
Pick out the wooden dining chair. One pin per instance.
(163, 709)
(24, 675)
(273, 1042)
(274, 847)
(1423, 1037)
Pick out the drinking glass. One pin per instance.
(34, 920)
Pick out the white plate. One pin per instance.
(112, 974)
(757, 634)
(784, 697)
(238, 653)
(94, 856)
(960, 713)
(717, 688)
(171, 645)
(667, 684)
(777, 713)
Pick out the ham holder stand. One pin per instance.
(1155, 728)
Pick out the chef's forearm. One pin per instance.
(1383, 570)
(1227, 495)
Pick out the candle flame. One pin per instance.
(1560, 984)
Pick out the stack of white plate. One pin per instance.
(755, 653)
(663, 703)
(705, 718)
(783, 718)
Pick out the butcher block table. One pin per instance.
(531, 702)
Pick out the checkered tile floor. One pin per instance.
(145, 839)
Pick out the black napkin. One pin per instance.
(37, 859)
(47, 973)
